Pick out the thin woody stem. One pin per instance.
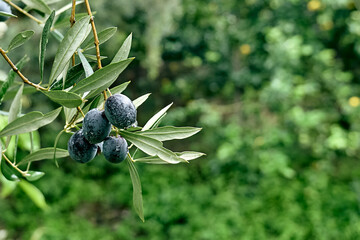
(72, 17)
(13, 165)
(23, 12)
(79, 109)
(96, 39)
(72, 22)
(68, 125)
(130, 157)
(17, 71)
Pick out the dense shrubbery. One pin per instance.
(276, 89)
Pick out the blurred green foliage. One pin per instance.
(275, 86)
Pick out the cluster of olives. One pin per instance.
(4, 7)
(83, 145)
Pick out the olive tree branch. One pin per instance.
(79, 110)
(72, 17)
(23, 11)
(72, 22)
(96, 39)
(17, 71)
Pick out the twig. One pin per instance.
(96, 39)
(17, 71)
(23, 12)
(80, 111)
(72, 17)
(72, 22)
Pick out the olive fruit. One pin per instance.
(96, 127)
(120, 111)
(115, 149)
(80, 149)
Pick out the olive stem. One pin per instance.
(96, 39)
(79, 109)
(130, 157)
(14, 166)
(72, 22)
(17, 71)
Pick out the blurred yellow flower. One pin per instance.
(245, 49)
(354, 101)
(314, 5)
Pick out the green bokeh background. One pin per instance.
(274, 84)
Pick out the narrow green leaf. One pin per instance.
(156, 117)
(31, 135)
(6, 170)
(6, 14)
(29, 122)
(38, 5)
(140, 100)
(7, 186)
(96, 102)
(134, 129)
(94, 57)
(20, 39)
(57, 35)
(69, 113)
(87, 68)
(170, 133)
(34, 194)
(11, 77)
(43, 42)
(137, 192)
(151, 160)
(190, 155)
(9, 172)
(67, 99)
(102, 78)
(15, 110)
(124, 50)
(55, 144)
(44, 153)
(72, 40)
(15, 107)
(103, 36)
(157, 123)
(15, 147)
(187, 155)
(75, 74)
(120, 88)
(151, 146)
(33, 175)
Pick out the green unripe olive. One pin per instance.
(80, 149)
(115, 149)
(120, 111)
